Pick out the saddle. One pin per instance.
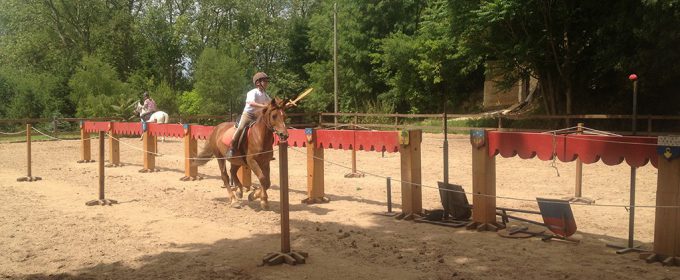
(243, 140)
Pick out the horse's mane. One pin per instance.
(276, 103)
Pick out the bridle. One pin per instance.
(267, 123)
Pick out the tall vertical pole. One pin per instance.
(286, 254)
(633, 170)
(446, 145)
(101, 165)
(283, 176)
(579, 168)
(335, 61)
(28, 150)
(29, 174)
(102, 200)
(630, 247)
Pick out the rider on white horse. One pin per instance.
(148, 108)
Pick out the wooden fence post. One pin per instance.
(286, 254)
(190, 151)
(315, 169)
(149, 150)
(667, 216)
(102, 199)
(85, 153)
(245, 175)
(29, 177)
(483, 184)
(114, 148)
(411, 174)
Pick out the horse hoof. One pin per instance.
(239, 193)
(264, 205)
(235, 205)
(251, 196)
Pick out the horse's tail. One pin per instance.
(204, 157)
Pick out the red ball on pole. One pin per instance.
(632, 77)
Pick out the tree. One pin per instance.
(576, 49)
(220, 82)
(95, 87)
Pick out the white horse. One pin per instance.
(156, 117)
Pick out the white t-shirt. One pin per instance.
(257, 96)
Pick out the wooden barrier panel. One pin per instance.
(411, 175)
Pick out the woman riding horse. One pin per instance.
(258, 150)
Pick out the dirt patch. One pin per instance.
(166, 228)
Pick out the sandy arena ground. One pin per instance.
(164, 228)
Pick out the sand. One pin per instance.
(164, 228)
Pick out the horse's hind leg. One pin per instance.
(235, 181)
(235, 202)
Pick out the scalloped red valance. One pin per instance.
(635, 150)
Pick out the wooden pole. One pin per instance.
(285, 223)
(483, 184)
(245, 175)
(190, 151)
(286, 254)
(29, 174)
(102, 199)
(315, 170)
(101, 165)
(149, 150)
(579, 167)
(85, 153)
(28, 150)
(411, 174)
(335, 62)
(114, 148)
(667, 215)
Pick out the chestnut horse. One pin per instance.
(257, 154)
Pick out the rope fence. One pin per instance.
(392, 178)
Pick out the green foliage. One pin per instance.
(190, 103)
(165, 98)
(378, 107)
(81, 57)
(123, 108)
(220, 82)
(95, 87)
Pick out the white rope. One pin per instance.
(12, 133)
(494, 196)
(554, 155)
(194, 158)
(60, 139)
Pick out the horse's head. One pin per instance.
(138, 107)
(275, 117)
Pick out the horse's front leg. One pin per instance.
(264, 182)
(234, 201)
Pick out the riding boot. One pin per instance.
(234, 143)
